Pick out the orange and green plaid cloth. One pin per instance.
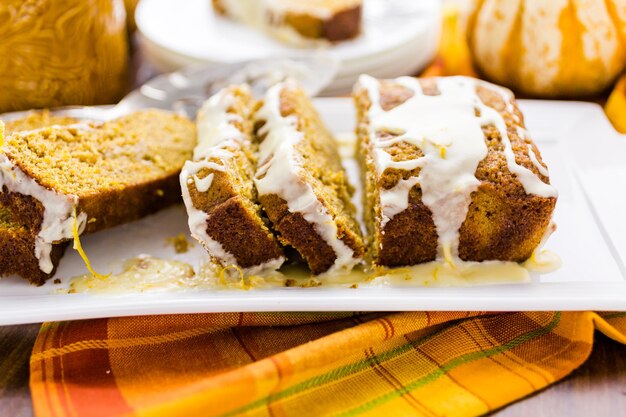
(307, 364)
(313, 364)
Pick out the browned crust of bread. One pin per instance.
(242, 234)
(114, 207)
(107, 210)
(343, 25)
(18, 256)
(233, 222)
(503, 222)
(297, 232)
(17, 243)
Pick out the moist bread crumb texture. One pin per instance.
(218, 186)
(503, 209)
(113, 172)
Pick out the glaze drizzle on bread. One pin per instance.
(218, 188)
(449, 172)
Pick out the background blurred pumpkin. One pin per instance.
(131, 6)
(549, 48)
(61, 52)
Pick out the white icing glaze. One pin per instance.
(449, 134)
(533, 158)
(280, 173)
(197, 221)
(215, 131)
(215, 125)
(57, 209)
(203, 185)
(217, 135)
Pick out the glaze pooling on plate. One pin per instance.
(451, 151)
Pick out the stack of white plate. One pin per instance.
(399, 38)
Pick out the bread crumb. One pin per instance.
(57, 281)
(355, 286)
(290, 282)
(181, 243)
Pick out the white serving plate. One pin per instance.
(399, 37)
(587, 165)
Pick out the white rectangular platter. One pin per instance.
(587, 161)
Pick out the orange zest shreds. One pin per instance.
(241, 275)
(78, 247)
(447, 256)
(1, 134)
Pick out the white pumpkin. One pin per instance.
(549, 48)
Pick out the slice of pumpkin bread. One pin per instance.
(96, 175)
(302, 184)
(449, 172)
(218, 188)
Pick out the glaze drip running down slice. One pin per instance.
(449, 172)
(218, 187)
(97, 175)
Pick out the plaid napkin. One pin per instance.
(307, 364)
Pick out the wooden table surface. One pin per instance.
(598, 388)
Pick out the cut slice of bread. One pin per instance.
(449, 172)
(302, 184)
(297, 21)
(94, 175)
(218, 187)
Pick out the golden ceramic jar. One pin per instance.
(62, 52)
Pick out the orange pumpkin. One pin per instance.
(549, 48)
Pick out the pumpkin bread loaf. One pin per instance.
(89, 176)
(295, 21)
(301, 183)
(449, 172)
(218, 186)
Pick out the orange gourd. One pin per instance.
(549, 48)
